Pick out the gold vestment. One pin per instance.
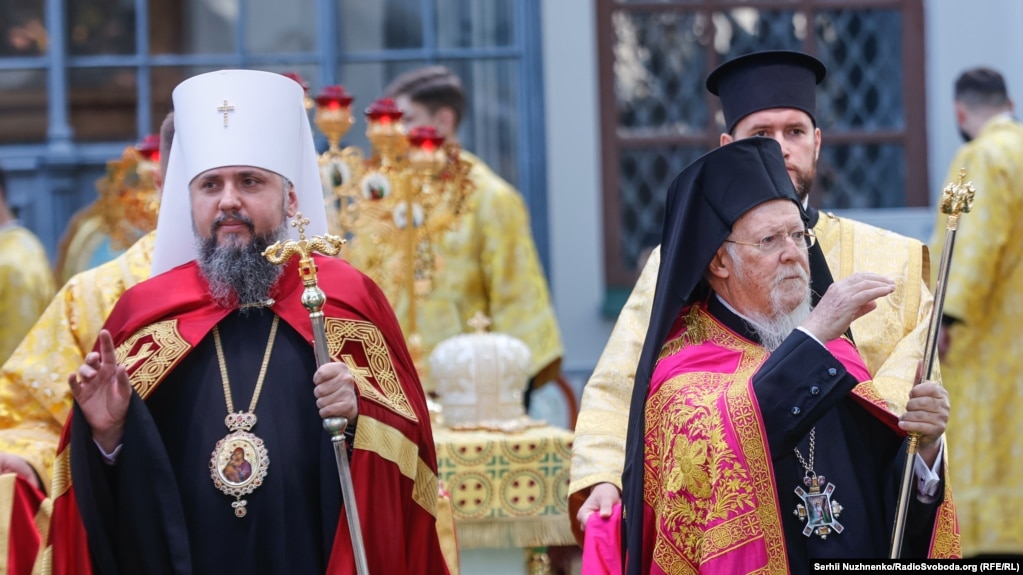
(488, 264)
(26, 285)
(984, 364)
(34, 394)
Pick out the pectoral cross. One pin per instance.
(225, 108)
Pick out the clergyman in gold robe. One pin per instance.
(26, 284)
(982, 363)
(34, 394)
(488, 263)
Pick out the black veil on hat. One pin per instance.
(703, 203)
(765, 80)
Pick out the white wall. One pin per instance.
(573, 178)
(962, 35)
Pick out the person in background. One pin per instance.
(981, 353)
(34, 399)
(490, 263)
(26, 282)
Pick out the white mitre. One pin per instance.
(235, 118)
(481, 378)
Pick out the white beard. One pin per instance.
(773, 330)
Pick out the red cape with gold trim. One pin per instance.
(158, 322)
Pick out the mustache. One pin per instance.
(232, 218)
(789, 271)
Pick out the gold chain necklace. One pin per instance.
(240, 460)
(818, 509)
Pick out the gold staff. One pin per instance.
(955, 199)
(313, 299)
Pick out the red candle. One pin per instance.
(383, 111)
(334, 97)
(149, 148)
(425, 138)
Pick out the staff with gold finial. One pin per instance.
(313, 299)
(956, 199)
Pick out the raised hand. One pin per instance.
(102, 390)
(335, 391)
(846, 300)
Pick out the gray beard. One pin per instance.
(239, 274)
(773, 330)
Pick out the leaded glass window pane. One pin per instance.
(381, 25)
(210, 27)
(659, 67)
(22, 106)
(644, 177)
(98, 27)
(475, 23)
(863, 52)
(743, 30)
(103, 104)
(22, 29)
(270, 30)
(861, 176)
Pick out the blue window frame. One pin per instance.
(69, 103)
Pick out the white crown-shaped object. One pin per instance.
(481, 378)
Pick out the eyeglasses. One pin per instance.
(802, 239)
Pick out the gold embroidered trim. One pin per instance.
(946, 543)
(387, 391)
(695, 333)
(691, 399)
(61, 474)
(393, 446)
(150, 353)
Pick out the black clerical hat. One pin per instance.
(707, 198)
(703, 203)
(764, 80)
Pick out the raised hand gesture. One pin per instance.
(102, 390)
(846, 300)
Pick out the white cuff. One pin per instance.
(108, 458)
(812, 336)
(928, 479)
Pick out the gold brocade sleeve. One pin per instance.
(598, 452)
(518, 298)
(891, 338)
(34, 394)
(26, 285)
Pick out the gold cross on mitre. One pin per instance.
(225, 108)
(279, 253)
